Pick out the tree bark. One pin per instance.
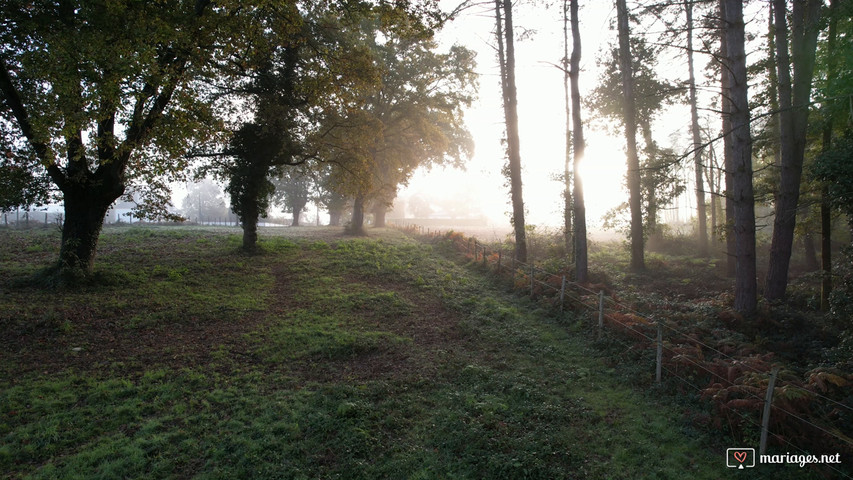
(568, 206)
(357, 225)
(701, 212)
(793, 119)
(826, 144)
(86, 205)
(296, 213)
(728, 162)
(810, 253)
(746, 289)
(335, 218)
(379, 213)
(630, 119)
(507, 62)
(249, 219)
(578, 147)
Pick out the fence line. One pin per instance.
(530, 269)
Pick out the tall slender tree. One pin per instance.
(701, 213)
(728, 162)
(794, 95)
(506, 60)
(568, 229)
(826, 145)
(578, 148)
(630, 124)
(740, 150)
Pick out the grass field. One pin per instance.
(324, 357)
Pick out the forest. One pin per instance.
(366, 349)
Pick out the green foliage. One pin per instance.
(835, 168)
(21, 186)
(412, 118)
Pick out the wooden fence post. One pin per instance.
(500, 254)
(765, 417)
(600, 310)
(562, 293)
(484, 256)
(532, 278)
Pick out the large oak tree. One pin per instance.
(105, 93)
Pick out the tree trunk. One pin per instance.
(728, 162)
(85, 208)
(507, 62)
(793, 120)
(701, 213)
(249, 219)
(296, 213)
(649, 186)
(810, 253)
(746, 289)
(335, 218)
(379, 213)
(630, 119)
(825, 207)
(713, 188)
(568, 229)
(578, 147)
(825, 249)
(357, 225)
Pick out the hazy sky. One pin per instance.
(541, 116)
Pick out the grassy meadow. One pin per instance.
(324, 357)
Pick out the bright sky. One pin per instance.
(541, 118)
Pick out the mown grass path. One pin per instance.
(324, 357)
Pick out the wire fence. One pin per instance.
(743, 387)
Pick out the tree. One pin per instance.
(413, 119)
(740, 152)
(568, 205)
(701, 213)
(292, 190)
(204, 199)
(630, 124)
(578, 147)
(794, 101)
(659, 182)
(105, 93)
(310, 60)
(830, 55)
(506, 61)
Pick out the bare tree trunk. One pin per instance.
(793, 120)
(335, 218)
(578, 147)
(746, 288)
(507, 63)
(357, 225)
(567, 167)
(701, 213)
(825, 207)
(713, 188)
(810, 253)
(249, 219)
(728, 162)
(630, 118)
(379, 213)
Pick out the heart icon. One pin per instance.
(740, 456)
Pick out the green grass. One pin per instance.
(319, 358)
